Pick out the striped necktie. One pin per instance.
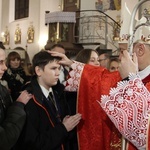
(52, 99)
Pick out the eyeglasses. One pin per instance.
(102, 59)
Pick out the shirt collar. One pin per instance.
(45, 91)
(144, 73)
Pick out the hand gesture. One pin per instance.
(64, 59)
(24, 97)
(129, 64)
(71, 121)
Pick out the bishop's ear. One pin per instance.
(139, 49)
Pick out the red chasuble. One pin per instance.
(94, 131)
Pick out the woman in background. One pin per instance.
(113, 64)
(14, 75)
(88, 56)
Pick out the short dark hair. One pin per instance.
(1, 45)
(57, 45)
(42, 58)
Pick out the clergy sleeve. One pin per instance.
(128, 107)
(72, 83)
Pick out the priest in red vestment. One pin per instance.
(96, 131)
(128, 105)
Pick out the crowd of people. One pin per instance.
(94, 102)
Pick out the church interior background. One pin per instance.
(28, 26)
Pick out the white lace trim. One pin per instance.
(75, 75)
(128, 106)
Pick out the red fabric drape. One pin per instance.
(94, 131)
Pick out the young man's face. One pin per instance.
(50, 75)
(3, 67)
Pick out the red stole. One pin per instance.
(94, 131)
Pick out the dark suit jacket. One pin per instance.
(42, 130)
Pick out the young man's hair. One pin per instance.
(42, 58)
(57, 45)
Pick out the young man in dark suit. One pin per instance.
(48, 122)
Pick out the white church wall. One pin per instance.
(46, 5)
(36, 17)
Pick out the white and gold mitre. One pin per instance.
(124, 32)
(143, 31)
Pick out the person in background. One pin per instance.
(28, 71)
(1, 45)
(12, 115)
(48, 121)
(104, 60)
(104, 56)
(3, 82)
(113, 64)
(15, 74)
(88, 56)
(64, 71)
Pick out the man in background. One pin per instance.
(104, 57)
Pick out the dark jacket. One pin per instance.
(15, 78)
(12, 118)
(42, 130)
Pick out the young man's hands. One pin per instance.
(71, 121)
